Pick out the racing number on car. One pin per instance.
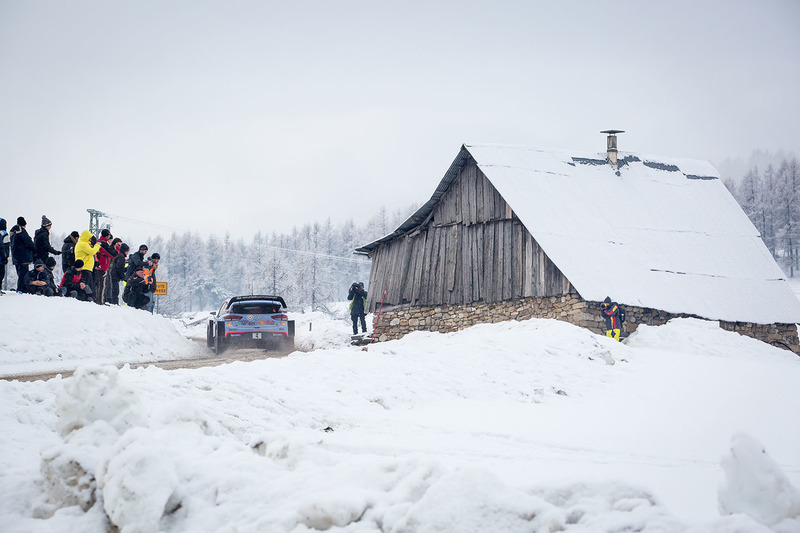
(256, 335)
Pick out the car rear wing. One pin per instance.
(257, 297)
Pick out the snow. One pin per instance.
(665, 239)
(63, 333)
(518, 426)
(755, 485)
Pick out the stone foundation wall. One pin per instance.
(780, 335)
(396, 322)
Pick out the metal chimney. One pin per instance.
(611, 148)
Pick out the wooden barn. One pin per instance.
(518, 232)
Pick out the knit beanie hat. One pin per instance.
(75, 235)
(3, 224)
(51, 262)
(21, 221)
(46, 221)
(78, 263)
(105, 233)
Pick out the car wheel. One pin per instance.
(219, 339)
(210, 334)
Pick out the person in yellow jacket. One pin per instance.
(85, 249)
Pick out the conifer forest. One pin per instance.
(770, 197)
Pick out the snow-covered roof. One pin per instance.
(656, 232)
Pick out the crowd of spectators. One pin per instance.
(92, 267)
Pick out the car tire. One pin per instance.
(219, 339)
(210, 334)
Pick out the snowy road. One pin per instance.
(246, 354)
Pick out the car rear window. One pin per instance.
(255, 308)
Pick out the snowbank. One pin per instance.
(756, 486)
(39, 334)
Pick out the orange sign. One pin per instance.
(161, 288)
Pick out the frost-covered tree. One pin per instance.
(309, 267)
(788, 213)
(772, 202)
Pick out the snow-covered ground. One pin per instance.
(519, 426)
(55, 334)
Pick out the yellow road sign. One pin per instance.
(161, 288)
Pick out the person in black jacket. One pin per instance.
(5, 251)
(117, 272)
(41, 241)
(49, 267)
(22, 249)
(136, 290)
(68, 250)
(36, 280)
(136, 260)
(358, 306)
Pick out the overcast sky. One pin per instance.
(262, 115)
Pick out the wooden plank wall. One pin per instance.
(472, 249)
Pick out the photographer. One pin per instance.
(135, 294)
(104, 257)
(150, 278)
(614, 316)
(358, 305)
(85, 250)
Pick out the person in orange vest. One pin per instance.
(614, 316)
(150, 278)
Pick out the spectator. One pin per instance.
(36, 280)
(68, 250)
(41, 240)
(150, 277)
(73, 283)
(118, 272)
(358, 306)
(49, 267)
(84, 250)
(22, 249)
(136, 260)
(136, 289)
(104, 257)
(5, 251)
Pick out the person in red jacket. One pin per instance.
(73, 283)
(104, 257)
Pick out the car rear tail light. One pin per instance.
(232, 317)
(279, 317)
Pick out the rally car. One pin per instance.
(255, 321)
